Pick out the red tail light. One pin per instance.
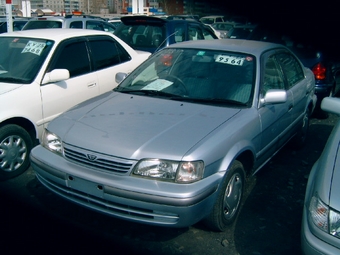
(319, 71)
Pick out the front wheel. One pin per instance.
(15, 146)
(228, 203)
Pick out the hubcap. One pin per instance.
(232, 196)
(13, 151)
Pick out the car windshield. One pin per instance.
(202, 76)
(21, 58)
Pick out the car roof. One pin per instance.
(50, 33)
(59, 18)
(140, 18)
(246, 46)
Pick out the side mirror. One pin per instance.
(274, 96)
(56, 75)
(120, 77)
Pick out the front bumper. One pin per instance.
(126, 197)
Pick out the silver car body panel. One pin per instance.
(324, 180)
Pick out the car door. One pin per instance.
(275, 118)
(60, 96)
(109, 57)
(296, 84)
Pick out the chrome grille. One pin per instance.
(96, 160)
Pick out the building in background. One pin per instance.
(103, 7)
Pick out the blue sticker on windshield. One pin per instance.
(200, 53)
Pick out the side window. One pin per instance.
(76, 24)
(106, 53)
(73, 57)
(179, 32)
(94, 25)
(195, 33)
(291, 68)
(207, 35)
(272, 78)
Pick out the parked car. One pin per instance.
(151, 33)
(221, 28)
(325, 67)
(212, 19)
(174, 143)
(69, 22)
(43, 73)
(321, 211)
(18, 24)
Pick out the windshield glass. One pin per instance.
(21, 58)
(195, 75)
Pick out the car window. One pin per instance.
(37, 24)
(179, 32)
(207, 35)
(76, 24)
(209, 75)
(108, 27)
(291, 67)
(106, 53)
(94, 25)
(73, 57)
(21, 58)
(195, 33)
(272, 76)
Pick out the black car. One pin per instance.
(324, 66)
(151, 33)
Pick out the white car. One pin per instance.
(45, 72)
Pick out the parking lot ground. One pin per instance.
(36, 220)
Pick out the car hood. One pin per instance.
(335, 184)
(136, 127)
(7, 87)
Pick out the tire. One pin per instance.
(228, 203)
(299, 140)
(15, 147)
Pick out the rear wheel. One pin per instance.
(228, 203)
(15, 146)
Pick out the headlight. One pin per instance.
(51, 142)
(168, 170)
(324, 217)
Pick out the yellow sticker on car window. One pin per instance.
(230, 60)
(34, 47)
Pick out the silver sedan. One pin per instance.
(320, 233)
(174, 143)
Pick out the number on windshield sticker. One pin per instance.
(230, 60)
(34, 47)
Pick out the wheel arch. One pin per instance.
(24, 123)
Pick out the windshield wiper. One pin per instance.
(210, 101)
(149, 92)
